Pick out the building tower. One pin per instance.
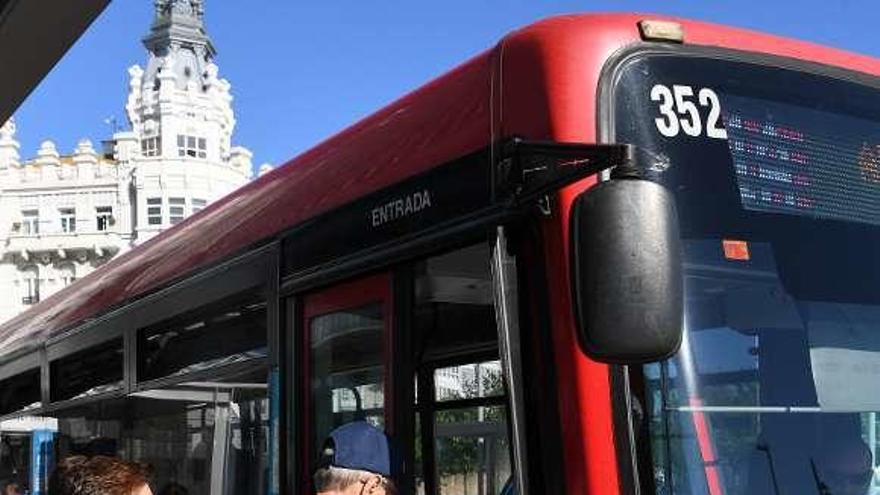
(181, 115)
(64, 215)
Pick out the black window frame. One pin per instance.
(25, 365)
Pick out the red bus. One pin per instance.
(611, 254)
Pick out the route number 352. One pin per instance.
(678, 112)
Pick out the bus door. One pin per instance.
(414, 352)
(346, 340)
(462, 442)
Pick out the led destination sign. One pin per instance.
(794, 160)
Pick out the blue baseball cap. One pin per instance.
(357, 445)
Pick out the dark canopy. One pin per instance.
(34, 35)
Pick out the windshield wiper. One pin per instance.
(763, 447)
(821, 487)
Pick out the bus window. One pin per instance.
(20, 392)
(210, 437)
(200, 414)
(225, 332)
(91, 371)
(346, 334)
(461, 413)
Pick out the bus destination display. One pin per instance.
(795, 160)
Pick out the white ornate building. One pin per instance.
(61, 216)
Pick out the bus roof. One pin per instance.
(447, 118)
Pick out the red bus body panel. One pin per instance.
(540, 82)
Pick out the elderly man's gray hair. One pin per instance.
(333, 478)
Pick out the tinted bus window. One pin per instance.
(20, 392)
(224, 333)
(89, 372)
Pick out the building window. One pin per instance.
(104, 215)
(154, 211)
(68, 219)
(198, 204)
(67, 275)
(30, 222)
(195, 147)
(31, 286)
(151, 146)
(175, 209)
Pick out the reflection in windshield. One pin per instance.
(776, 389)
(769, 394)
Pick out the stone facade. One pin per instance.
(61, 216)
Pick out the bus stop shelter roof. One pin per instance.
(34, 35)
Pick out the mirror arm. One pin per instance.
(528, 170)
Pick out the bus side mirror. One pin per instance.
(627, 272)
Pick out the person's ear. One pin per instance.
(373, 484)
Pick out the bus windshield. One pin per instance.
(776, 172)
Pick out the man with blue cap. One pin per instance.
(355, 460)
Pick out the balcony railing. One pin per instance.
(59, 240)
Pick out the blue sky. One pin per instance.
(303, 70)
